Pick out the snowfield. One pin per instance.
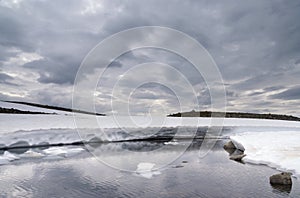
(14, 122)
(272, 142)
(280, 149)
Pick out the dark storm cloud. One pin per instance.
(46, 28)
(256, 44)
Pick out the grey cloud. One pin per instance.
(6, 97)
(255, 44)
(261, 81)
(53, 96)
(50, 31)
(6, 79)
(273, 88)
(256, 93)
(6, 54)
(230, 93)
(11, 29)
(153, 91)
(115, 64)
(54, 71)
(146, 95)
(290, 94)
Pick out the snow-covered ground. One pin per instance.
(272, 142)
(14, 122)
(278, 149)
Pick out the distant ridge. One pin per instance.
(235, 115)
(17, 111)
(54, 107)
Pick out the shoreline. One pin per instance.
(282, 180)
(275, 149)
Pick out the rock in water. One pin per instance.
(238, 145)
(19, 147)
(233, 145)
(2, 146)
(237, 157)
(43, 145)
(229, 145)
(235, 150)
(281, 178)
(282, 188)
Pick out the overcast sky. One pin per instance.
(255, 44)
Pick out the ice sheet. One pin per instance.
(146, 170)
(276, 147)
(279, 149)
(15, 122)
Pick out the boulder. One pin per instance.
(233, 145)
(19, 147)
(43, 145)
(237, 157)
(235, 150)
(2, 148)
(281, 188)
(238, 145)
(229, 145)
(281, 179)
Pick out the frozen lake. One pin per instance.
(124, 156)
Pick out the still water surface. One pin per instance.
(87, 175)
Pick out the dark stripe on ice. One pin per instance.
(79, 143)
